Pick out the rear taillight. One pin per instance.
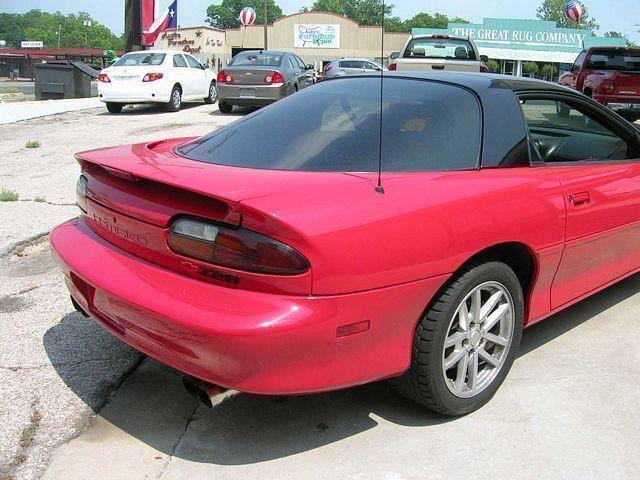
(328, 68)
(152, 77)
(104, 78)
(608, 86)
(238, 249)
(81, 193)
(224, 77)
(393, 67)
(483, 68)
(273, 77)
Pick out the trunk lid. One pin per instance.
(250, 75)
(627, 83)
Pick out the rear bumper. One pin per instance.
(248, 95)
(248, 341)
(138, 93)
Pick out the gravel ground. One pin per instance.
(57, 368)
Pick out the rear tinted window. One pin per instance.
(615, 60)
(140, 59)
(256, 59)
(448, 48)
(335, 126)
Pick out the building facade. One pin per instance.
(513, 42)
(316, 37)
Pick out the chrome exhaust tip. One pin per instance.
(203, 391)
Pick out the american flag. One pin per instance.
(573, 10)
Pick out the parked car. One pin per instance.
(255, 78)
(351, 66)
(156, 76)
(610, 76)
(261, 258)
(425, 53)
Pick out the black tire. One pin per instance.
(425, 382)
(114, 107)
(225, 107)
(213, 94)
(175, 100)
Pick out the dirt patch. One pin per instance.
(160, 128)
(11, 303)
(29, 258)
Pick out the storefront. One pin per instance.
(317, 37)
(513, 42)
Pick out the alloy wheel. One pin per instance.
(478, 339)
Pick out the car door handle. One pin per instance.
(437, 67)
(579, 199)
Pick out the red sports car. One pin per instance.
(265, 258)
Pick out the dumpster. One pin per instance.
(63, 79)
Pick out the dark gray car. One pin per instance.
(351, 66)
(255, 78)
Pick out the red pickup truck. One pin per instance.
(611, 76)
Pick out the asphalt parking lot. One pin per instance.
(76, 403)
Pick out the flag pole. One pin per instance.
(265, 25)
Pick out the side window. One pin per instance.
(292, 63)
(179, 61)
(193, 63)
(347, 64)
(370, 66)
(578, 63)
(301, 63)
(564, 133)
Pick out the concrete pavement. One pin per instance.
(15, 112)
(568, 410)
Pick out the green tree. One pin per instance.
(226, 14)
(365, 12)
(531, 68)
(553, 10)
(548, 71)
(44, 26)
(492, 65)
(424, 20)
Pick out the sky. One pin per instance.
(619, 15)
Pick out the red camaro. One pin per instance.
(263, 258)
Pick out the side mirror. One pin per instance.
(484, 58)
(394, 55)
(310, 66)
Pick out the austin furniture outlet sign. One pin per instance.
(316, 36)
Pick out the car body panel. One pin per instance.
(127, 87)
(433, 64)
(378, 259)
(618, 89)
(351, 66)
(249, 88)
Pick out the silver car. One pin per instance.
(351, 66)
(255, 78)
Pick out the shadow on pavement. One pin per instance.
(243, 429)
(150, 109)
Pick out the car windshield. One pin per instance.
(334, 126)
(449, 48)
(614, 60)
(140, 59)
(256, 59)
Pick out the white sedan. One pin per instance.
(156, 76)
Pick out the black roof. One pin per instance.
(483, 81)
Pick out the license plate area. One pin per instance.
(247, 92)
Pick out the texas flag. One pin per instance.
(168, 19)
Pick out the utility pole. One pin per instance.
(265, 25)
(59, 28)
